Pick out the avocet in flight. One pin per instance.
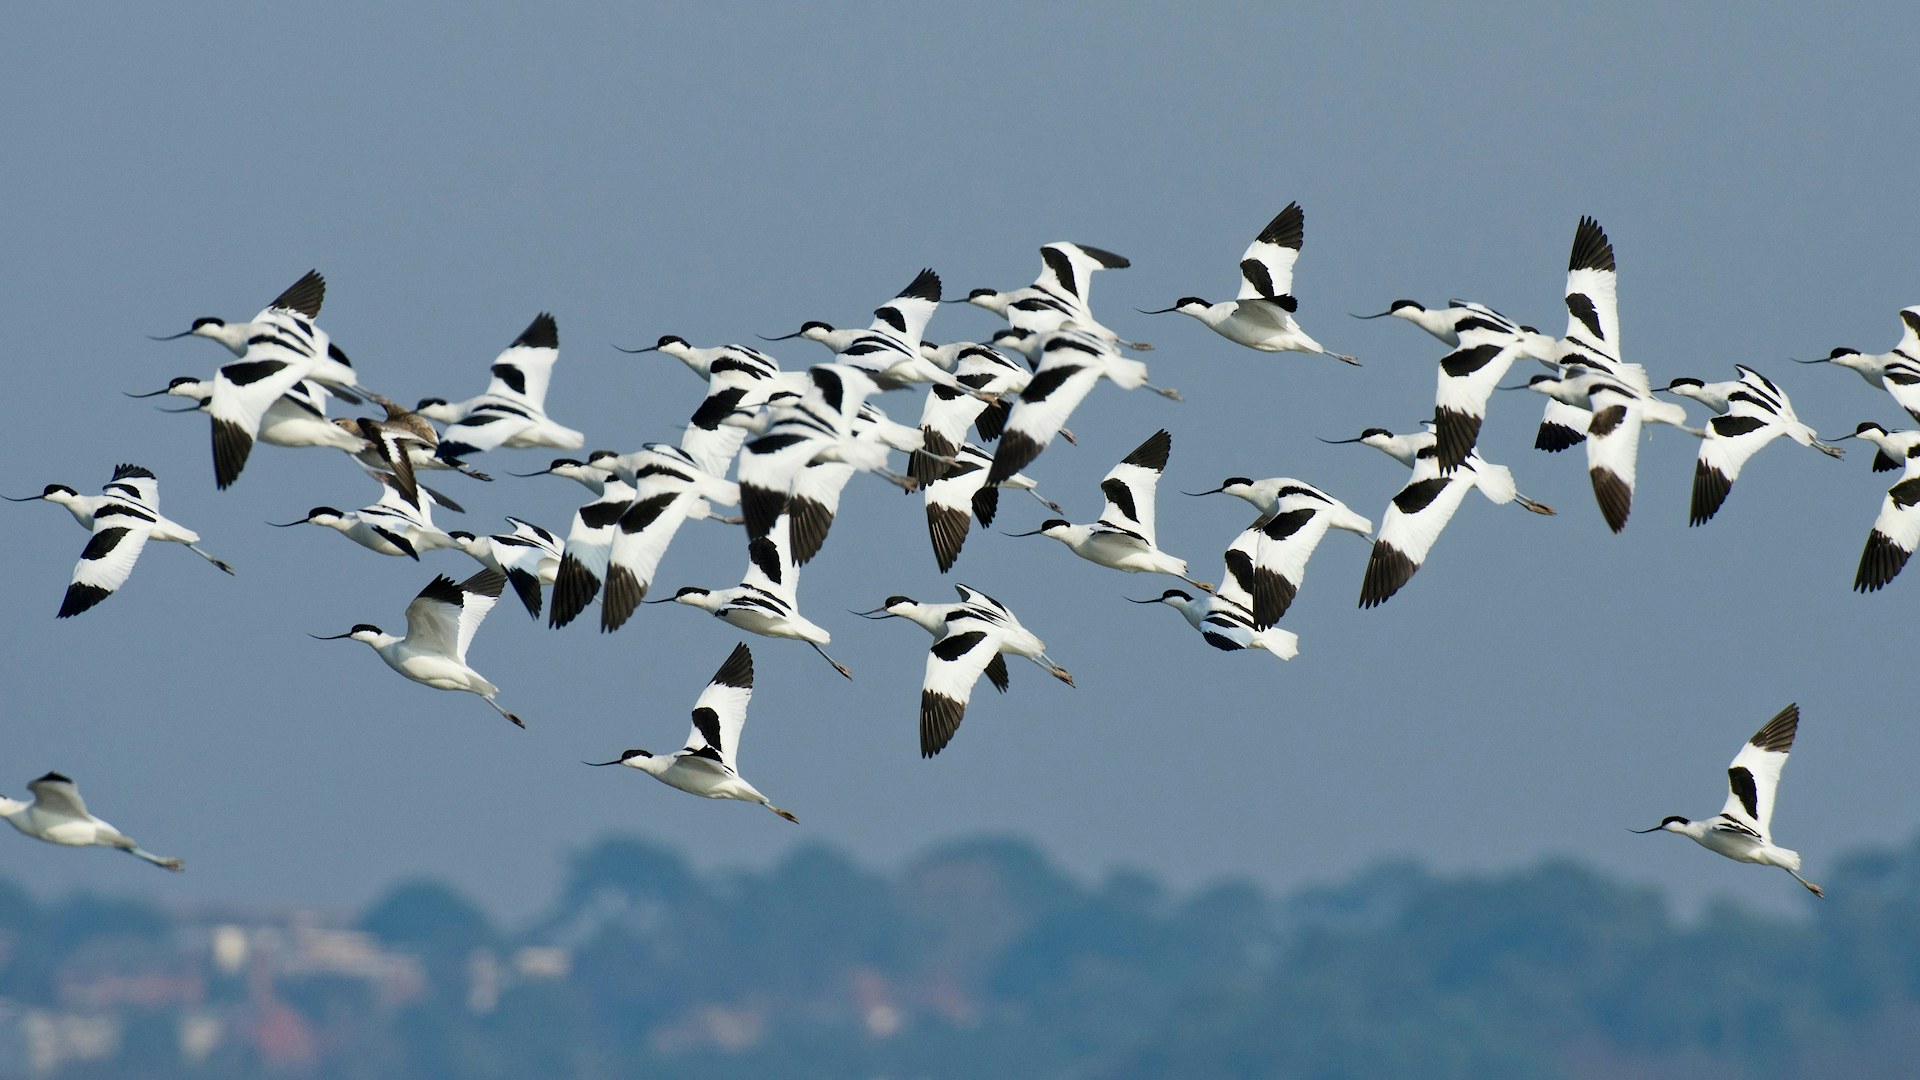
(297, 418)
(1071, 364)
(1422, 508)
(529, 556)
(441, 622)
(972, 639)
(1123, 538)
(1294, 518)
(58, 815)
(708, 766)
(280, 347)
(122, 518)
(767, 600)
(1896, 531)
(1896, 371)
(1261, 317)
(1742, 829)
(391, 526)
(513, 411)
(301, 301)
(1058, 298)
(1754, 412)
(1225, 619)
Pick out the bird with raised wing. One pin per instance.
(441, 622)
(122, 518)
(1261, 316)
(708, 766)
(1742, 830)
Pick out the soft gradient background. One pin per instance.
(1541, 686)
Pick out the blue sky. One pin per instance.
(720, 172)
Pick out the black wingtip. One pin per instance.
(1614, 496)
(1015, 451)
(924, 286)
(1554, 438)
(541, 333)
(231, 445)
(737, 669)
(1777, 736)
(1591, 248)
(1388, 568)
(1287, 229)
(1108, 260)
(940, 718)
(1153, 453)
(1710, 488)
(303, 296)
(1880, 562)
(81, 597)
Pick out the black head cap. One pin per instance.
(977, 293)
(1232, 480)
(1398, 304)
(208, 320)
(666, 340)
(892, 600)
(366, 627)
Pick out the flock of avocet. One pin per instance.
(793, 440)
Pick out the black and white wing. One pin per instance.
(1613, 449)
(1896, 532)
(905, 316)
(1299, 522)
(487, 426)
(640, 540)
(721, 712)
(1902, 379)
(1593, 315)
(120, 532)
(1240, 580)
(950, 498)
(589, 547)
(1413, 521)
(770, 567)
(815, 500)
(1467, 379)
(274, 363)
(1070, 365)
(1266, 269)
(524, 555)
(1129, 488)
(954, 664)
(56, 793)
(1593, 331)
(135, 484)
(1731, 438)
(522, 371)
(445, 614)
(1753, 780)
(392, 445)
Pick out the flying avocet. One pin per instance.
(1261, 317)
(708, 765)
(513, 411)
(122, 518)
(1123, 538)
(1422, 508)
(1058, 298)
(441, 622)
(1742, 829)
(58, 815)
